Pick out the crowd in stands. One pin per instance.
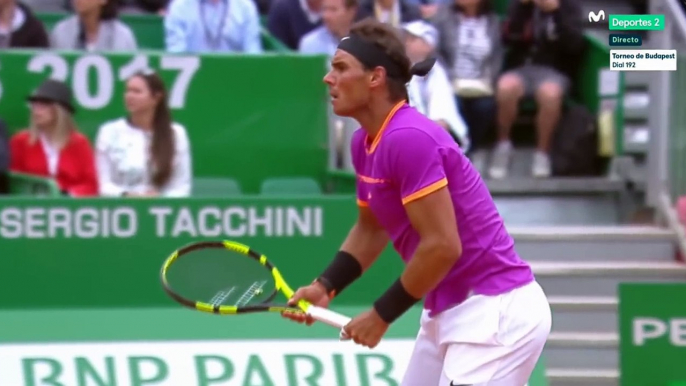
(487, 66)
(144, 154)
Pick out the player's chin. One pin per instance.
(340, 108)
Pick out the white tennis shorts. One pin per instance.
(485, 341)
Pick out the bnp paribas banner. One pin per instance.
(652, 319)
(221, 362)
(183, 348)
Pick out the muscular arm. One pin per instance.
(433, 217)
(366, 240)
(415, 160)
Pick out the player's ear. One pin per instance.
(377, 76)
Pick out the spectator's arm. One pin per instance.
(440, 22)
(570, 39)
(127, 38)
(306, 46)
(277, 23)
(252, 41)
(88, 186)
(175, 37)
(441, 103)
(16, 151)
(497, 59)
(180, 182)
(54, 38)
(107, 186)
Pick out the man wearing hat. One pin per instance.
(432, 95)
(52, 146)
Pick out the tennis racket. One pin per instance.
(229, 278)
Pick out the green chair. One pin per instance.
(289, 186)
(215, 187)
(22, 184)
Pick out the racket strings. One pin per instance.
(255, 289)
(220, 297)
(218, 277)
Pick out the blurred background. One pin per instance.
(131, 127)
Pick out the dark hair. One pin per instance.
(485, 7)
(388, 39)
(109, 11)
(163, 141)
(350, 4)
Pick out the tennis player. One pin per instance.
(485, 319)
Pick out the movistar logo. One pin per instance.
(593, 17)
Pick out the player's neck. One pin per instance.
(372, 118)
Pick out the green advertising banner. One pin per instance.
(108, 252)
(173, 347)
(238, 109)
(652, 320)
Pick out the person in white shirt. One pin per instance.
(145, 153)
(432, 95)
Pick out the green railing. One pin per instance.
(22, 184)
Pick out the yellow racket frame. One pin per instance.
(279, 282)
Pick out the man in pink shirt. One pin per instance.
(485, 319)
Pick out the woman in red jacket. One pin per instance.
(52, 145)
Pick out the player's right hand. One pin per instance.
(314, 293)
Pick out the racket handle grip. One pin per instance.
(327, 316)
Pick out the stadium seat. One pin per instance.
(215, 186)
(290, 186)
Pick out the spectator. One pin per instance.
(393, 12)
(144, 154)
(428, 8)
(201, 26)
(338, 16)
(20, 28)
(545, 40)
(432, 94)
(4, 159)
(94, 27)
(470, 45)
(290, 20)
(53, 146)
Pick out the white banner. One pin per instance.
(210, 363)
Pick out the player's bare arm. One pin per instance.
(366, 239)
(360, 249)
(433, 218)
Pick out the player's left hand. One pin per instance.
(366, 329)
